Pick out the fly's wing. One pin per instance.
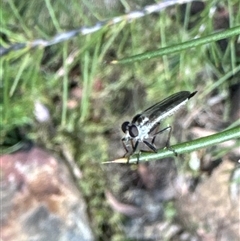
(164, 108)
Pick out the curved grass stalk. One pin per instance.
(185, 147)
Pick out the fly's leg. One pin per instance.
(138, 156)
(125, 147)
(156, 128)
(134, 148)
(128, 153)
(159, 132)
(168, 139)
(152, 147)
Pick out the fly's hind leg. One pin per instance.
(168, 139)
(159, 132)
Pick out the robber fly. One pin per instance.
(145, 125)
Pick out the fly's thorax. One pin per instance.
(140, 120)
(143, 132)
(143, 126)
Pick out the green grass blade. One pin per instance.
(179, 47)
(22, 67)
(194, 145)
(65, 86)
(53, 16)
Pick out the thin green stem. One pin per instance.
(65, 86)
(53, 16)
(187, 147)
(179, 47)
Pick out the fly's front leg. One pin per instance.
(134, 148)
(127, 154)
(125, 147)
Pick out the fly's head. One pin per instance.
(131, 131)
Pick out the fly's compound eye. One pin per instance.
(133, 131)
(125, 126)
